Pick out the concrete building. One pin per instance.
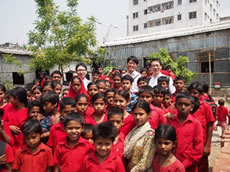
(147, 16)
(196, 43)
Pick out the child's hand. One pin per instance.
(206, 151)
(15, 129)
(1, 126)
(3, 159)
(169, 115)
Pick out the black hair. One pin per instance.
(99, 81)
(133, 58)
(147, 89)
(115, 111)
(127, 77)
(1, 114)
(81, 64)
(168, 67)
(73, 116)
(155, 60)
(109, 91)
(143, 70)
(90, 84)
(143, 79)
(20, 94)
(107, 81)
(122, 70)
(31, 126)
(29, 86)
(65, 89)
(95, 71)
(163, 79)
(56, 83)
(33, 103)
(143, 105)
(56, 72)
(196, 86)
(205, 88)
(179, 78)
(67, 101)
(167, 132)
(123, 93)
(3, 88)
(221, 102)
(196, 104)
(47, 83)
(76, 77)
(105, 130)
(49, 96)
(158, 89)
(36, 87)
(47, 77)
(167, 92)
(87, 128)
(98, 96)
(117, 74)
(77, 98)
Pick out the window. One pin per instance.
(135, 28)
(167, 20)
(135, 15)
(206, 16)
(203, 58)
(214, 12)
(18, 79)
(191, 1)
(192, 15)
(179, 17)
(145, 25)
(167, 5)
(135, 2)
(179, 2)
(210, 7)
(145, 11)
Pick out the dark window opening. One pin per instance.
(205, 67)
(18, 79)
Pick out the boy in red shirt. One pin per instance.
(116, 116)
(179, 84)
(103, 159)
(34, 156)
(222, 113)
(189, 133)
(69, 154)
(57, 132)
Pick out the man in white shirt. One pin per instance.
(81, 70)
(156, 67)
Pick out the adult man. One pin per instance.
(81, 71)
(156, 69)
(56, 76)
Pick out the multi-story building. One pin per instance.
(146, 16)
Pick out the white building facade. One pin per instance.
(147, 16)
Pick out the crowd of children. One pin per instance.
(104, 125)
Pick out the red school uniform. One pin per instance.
(5, 109)
(71, 159)
(7, 130)
(119, 146)
(9, 156)
(26, 161)
(57, 134)
(128, 125)
(156, 117)
(177, 166)
(189, 148)
(222, 113)
(112, 163)
(91, 120)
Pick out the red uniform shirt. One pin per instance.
(204, 115)
(57, 134)
(128, 125)
(113, 163)
(92, 121)
(156, 117)
(5, 109)
(119, 146)
(222, 113)
(26, 161)
(177, 166)
(9, 156)
(71, 159)
(189, 148)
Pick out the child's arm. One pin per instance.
(49, 169)
(57, 169)
(4, 134)
(3, 159)
(208, 139)
(8, 167)
(46, 134)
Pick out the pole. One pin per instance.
(210, 72)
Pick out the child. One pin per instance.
(167, 102)
(103, 159)
(65, 92)
(87, 132)
(139, 146)
(47, 87)
(165, 141)
(163, 81)
(109, 94)
(98, 102)
(56, 76)
(82, 106)
(107, 84)
(205, 116)
(69, 154)
(143, 72)
(189, 133)
(92, 89)
(142, 81)
(3, 103)
(34, 110)
(95, 75)
(36, 92)
(116, 117)
(28, 88)
(57, 87)
(117, 81)
(101, 86)
(34, 155)
(57, 132)
(126, 82)
(179, 84)
(222, 113)
(6, 157)
(158, 96)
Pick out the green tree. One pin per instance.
(60, 37)
(178, 67)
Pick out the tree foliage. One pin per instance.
(60, 37)
(178, 67)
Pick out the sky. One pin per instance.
(17, 17)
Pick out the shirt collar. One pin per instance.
(41, 147)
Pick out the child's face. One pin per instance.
(120, 101)
(76, 85)
(126, 85)
(29, 95)
(93, 90)
(179, 85)
(110, 98)
(64, 93)
(141, 84)
(164, 84)
(46, 89)
(13, 101)
(35, 113)
(144, 74)
(117, 121)
(184, 107)
(107, 85)
(148, 97)
(164, 146)
(89, 136)
(158, 99)
(48, 107)
(117, 81)
(73, 130)
(67, 109)
(95, 77)
(37, 94)
(2, 95)
(103, 146)
(167, 100)
(99, 105)
(195, 93)
(33, 140)
(56, 77)
(57, 89)
(101, 87)
(140, 116)
(82, 105)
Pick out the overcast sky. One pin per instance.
(17, 17)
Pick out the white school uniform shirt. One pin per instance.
(153, 82)
(86, 82)
(135, 75)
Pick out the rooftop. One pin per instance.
(9, 48)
